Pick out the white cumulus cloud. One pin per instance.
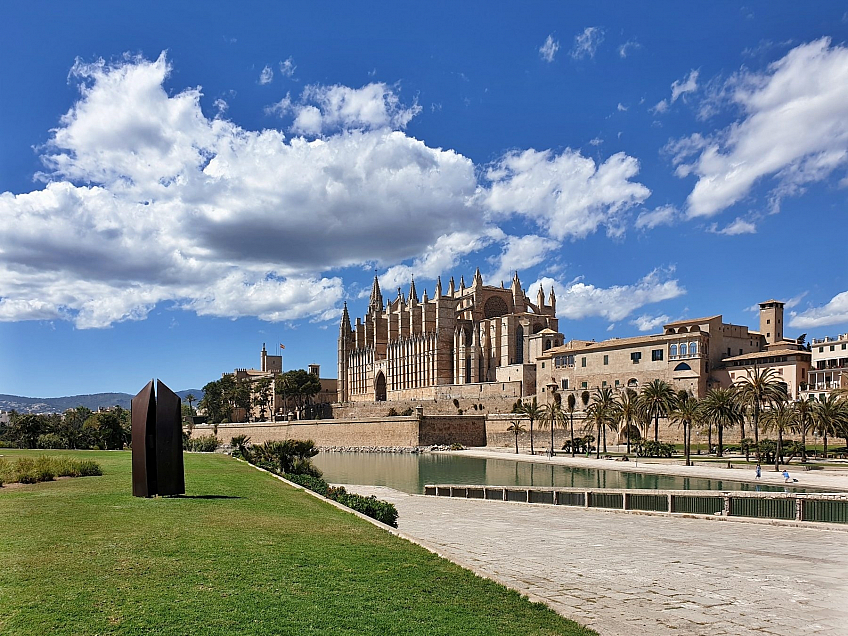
(579, 300)
(793, 128)
(566, 194)
(663, 215)
(834, 312)
(646, 322)
(520, 253)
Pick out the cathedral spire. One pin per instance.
(424, 298)
(461, 284)
(438, 287)
(413, 295)
(516, 283)
(376, 302)
(451, 287)
(478, 279)
(344, 326)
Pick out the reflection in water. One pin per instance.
(409, 473)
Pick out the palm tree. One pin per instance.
(757, 389)
(830, 415)
(570, 403)
(553, 416)
(656, 399)
(781, 418)
(190, 398)
(720, 408)
(685, 412)
(804, 409)
(517, 429)
(603, 409)
(628, 401)
(533, 411)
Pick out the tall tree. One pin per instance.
(603, 410)
(657, 399)
(721, 408)
(758, 389)
(830, 415)
(628, 400)
(190, 398)
(262, 395)
(552, 416)
(804, 409)
(570, 403)
(533, 411)
(516, 429)
(782, 418)
(684, 411)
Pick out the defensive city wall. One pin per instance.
(475, 429)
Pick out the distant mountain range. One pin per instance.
(62, 404)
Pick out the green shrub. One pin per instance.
(203, 444)
(392, 412)
(382, 511)
(27, 470)
(88, 468)
(407, 411)
(51, 440)
(239, 444)
(290, 456)
(650, 448)
(315, 484)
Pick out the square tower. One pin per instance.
(771, 320)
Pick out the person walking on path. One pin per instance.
(758, 471)
(785, 476)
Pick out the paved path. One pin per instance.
(628, 574)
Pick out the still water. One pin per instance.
(409, 473)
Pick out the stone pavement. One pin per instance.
(627, 574)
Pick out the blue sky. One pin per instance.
(183, 182)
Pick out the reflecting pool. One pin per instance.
(409, 473)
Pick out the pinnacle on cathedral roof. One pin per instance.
(438, 286)
(344, 326)
(413, 295)
(376, 301)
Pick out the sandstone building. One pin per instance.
(829, 365)
(696, 355)
(479, 337)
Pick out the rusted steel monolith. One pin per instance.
(157, 445)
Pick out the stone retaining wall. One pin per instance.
(394, 432)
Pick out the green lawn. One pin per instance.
(242, 553)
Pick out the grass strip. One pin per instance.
(241, 553)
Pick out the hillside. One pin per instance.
(60, 404)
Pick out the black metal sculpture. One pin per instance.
(157, 443)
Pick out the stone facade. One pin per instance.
(695, 355)
(829, 365)
(411, 349)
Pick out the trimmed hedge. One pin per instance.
(382, 511)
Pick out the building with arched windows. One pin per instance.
(410, 348)
(695, 355)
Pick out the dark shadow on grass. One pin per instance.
(203, 497)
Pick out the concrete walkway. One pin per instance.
(831, 479)
(627, 574)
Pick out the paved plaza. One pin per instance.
(626, 574)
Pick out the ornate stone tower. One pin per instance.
(345, 347)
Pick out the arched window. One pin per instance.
(673, 350)
(682, 367)
(633, 383)
(693, 348)
(547, 344)
(519, 345)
